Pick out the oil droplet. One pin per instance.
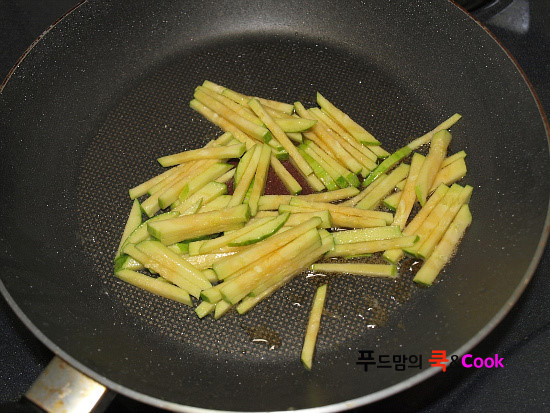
(296, 299)
(263, 334)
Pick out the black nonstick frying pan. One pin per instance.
(106, 91)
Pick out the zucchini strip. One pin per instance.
(204, 308)
(282, 107)
(144, 187)
(367, 163)
(394, 255)
(450, 174)
(424, 139)
(346, 122)
(366, 234)
(342, 209)
(198, 182)
(352, 202)
(215, 244)
(216, 152)
(313, 326)
(319, 171)
(134, 220)
(155, 286)
(297, 218)
(216, 204)
(205, 261)
(241, 110)
(222, 307)
(227, 266)
(337, 195)
(307, 257)
(453, 158)
(222, 123)
(326, 155)
(372, 270)
(320, 133)
(339, 179)
(453, 195)
(260, 179)
(125, 262)
(257, 132)
(331, 139)
(426, 247)
(261, 232)
(141, 233)
(207, 193)
(408, 196)
(159, 252)
(373, 198)
(332, 124)
(246, 178)
(226, 176)
(170, 194)
(187, 227)
(392, 201)
(290, 183)
(166, 270)
(445, 249)
(281, 137)
(369, 247)
(272, 202)
(281, 261)
(431, 165)
(350, 221)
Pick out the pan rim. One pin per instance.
(341, 406)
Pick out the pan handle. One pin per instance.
(62, 388)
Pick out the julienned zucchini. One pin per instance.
(155, 285)
(134, 220)
(215, 244)
(372, 270)
(431, 165)
(207, 193)
(209, 237)
(260, 233)
(191, 226)
(140, 233)
(445, 249)
(277, 262)
(313, 326)
(366, 234)
(227, 266)
(166, 269)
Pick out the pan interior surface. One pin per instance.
(153, 119)
(93, 131)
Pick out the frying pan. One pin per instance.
(105, 92)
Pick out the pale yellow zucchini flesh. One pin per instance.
(279, 262)
(369, 247)
(313, 325)
(445, 249)
(432, 163)
(217, 152)
(227, 266)
(281, 137)
(260, 179)
(408, 196)
(133, 221)
(372, 270)
(186, 227)
(267, 287)
(155, 286)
